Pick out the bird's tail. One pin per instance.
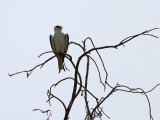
(60, 58)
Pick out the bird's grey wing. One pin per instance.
(66, 42)
(52, 43)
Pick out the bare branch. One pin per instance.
(67, 78)
(53, 96)
(104, 113)
(78, 45)
(47, 111)
(28, 72)
(74, 93)
(98, 72)
(85, 92)
(121, 43)
(65, 67)
(135, 90)
(79, 75)
(153, 88)
(99, 103)
(134, 36)
(45, 53)
(88, 38)
(60, 82)
(49, 92)
(149, 104)
(151, 35)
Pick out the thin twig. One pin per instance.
(98, 71)
(53, 96)
(104, 113)
(28, 72)
(133, 90)
(78, 45)
(44, 53)
(49, 115)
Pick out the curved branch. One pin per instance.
(42, 111)
(74, 94)
(131, 90)
(78, 45)
(149, 104)
(53, 96)
(88, 38)
(54, 85)
(50, 90)
(45, 53)
(98, 71)
(70, 59)
(152, 88)
(60, 82)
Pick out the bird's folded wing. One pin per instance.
(52, 44)
(66, 42)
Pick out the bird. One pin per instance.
(59, 43)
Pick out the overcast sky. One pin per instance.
(25, 26)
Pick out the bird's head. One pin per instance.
(58, 28)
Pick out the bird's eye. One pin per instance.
(58, 26)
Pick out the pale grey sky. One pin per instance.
(24, 33)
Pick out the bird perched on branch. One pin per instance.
(59, 44)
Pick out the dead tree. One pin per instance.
(81, 86)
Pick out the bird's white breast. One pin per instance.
(59, 39)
